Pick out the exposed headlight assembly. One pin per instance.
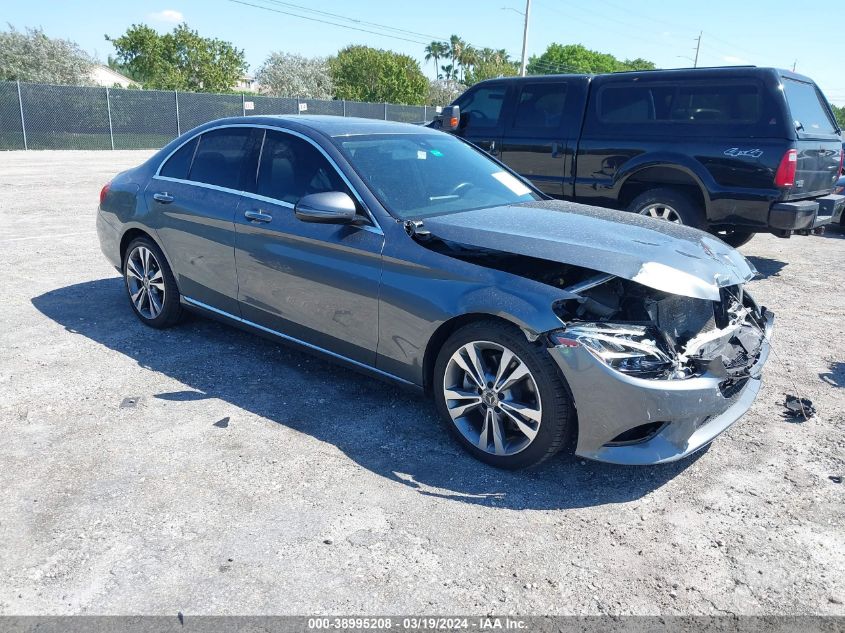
(631, 349)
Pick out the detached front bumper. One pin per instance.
(693, 411)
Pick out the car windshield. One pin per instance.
(421, 175)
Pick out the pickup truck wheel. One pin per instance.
(735, 238)
(672, 205)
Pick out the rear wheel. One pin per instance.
(500, 396)
(150, 284)
(671, 205)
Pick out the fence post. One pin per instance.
(243, 105)
(108, 109)
(385, 111)
(23, 121)
(178, 125)
(344, 107)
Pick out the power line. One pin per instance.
(355, 20)
(313, 19)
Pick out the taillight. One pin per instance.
(103, 192)
(841, 159)
(785, 176)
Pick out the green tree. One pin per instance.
(361, 73)
(575, 58)
(436, 50)
(30, 55)
(839, 112)
(180, 60)
(489, 64)
(291, 75)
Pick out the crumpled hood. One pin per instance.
(664, 256)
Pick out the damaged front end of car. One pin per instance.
(657, 375)
(659, 361)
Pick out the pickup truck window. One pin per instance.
(540, 105)
(482, 108)
(806, 108)
(731, 103)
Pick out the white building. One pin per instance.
(105, 76)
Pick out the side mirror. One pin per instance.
(451, 118)
(330, 207)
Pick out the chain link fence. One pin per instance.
(39, 116)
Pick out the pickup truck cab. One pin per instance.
(735, 150)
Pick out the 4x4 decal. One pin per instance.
(751, 153)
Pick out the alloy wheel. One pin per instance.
(145, 281)
(661, 211)
(492, 398)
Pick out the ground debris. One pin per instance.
(798, 408)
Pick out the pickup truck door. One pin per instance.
(482, 115)
(541, 132)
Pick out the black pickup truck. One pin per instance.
(733, 150)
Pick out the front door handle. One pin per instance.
(163, 197)
(257, 216)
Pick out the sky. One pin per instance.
(770, 33)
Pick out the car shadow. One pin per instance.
(388, 430)
(835, 377)
(766, 266)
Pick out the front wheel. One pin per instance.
(501, 396)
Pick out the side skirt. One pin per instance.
(220, 315)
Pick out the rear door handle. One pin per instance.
(257, 216)
(163, 197)
(493, 151)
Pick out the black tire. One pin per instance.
(557, 413)
(170, 309)
(689, 212)
(735, 238)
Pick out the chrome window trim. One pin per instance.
(205, 306)
(376, 227)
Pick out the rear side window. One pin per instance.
(482, 108)
(220, 157)
(719, 104)
(540, 106)
(291, 168)
(179, 163)
(807, 109)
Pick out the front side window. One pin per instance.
(482, 108)
(540, 105)
(421, 175)
(291, 168)
(221, 156)
(805, 104)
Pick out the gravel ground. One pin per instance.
(249, 478)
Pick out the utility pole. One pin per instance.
(525, 36)
(697, 48)
(794, 64)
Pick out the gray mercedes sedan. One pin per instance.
(408, 253)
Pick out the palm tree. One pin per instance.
(435, 50)
(469, 58)
(449, 71)
(456, 47)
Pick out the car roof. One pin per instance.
(329, 125)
